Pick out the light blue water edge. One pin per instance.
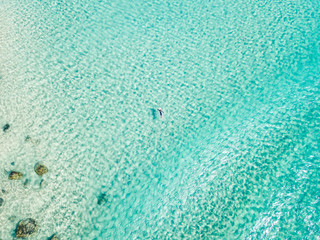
(235, 156)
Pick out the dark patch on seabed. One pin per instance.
(153, 113)
(6, 127)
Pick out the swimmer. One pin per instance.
(160, 111)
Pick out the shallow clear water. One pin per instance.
(236, 155)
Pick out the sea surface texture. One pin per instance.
(235, 156)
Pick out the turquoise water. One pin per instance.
(236, 155)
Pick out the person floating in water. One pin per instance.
(160, 111)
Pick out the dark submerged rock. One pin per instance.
(42, 183)
(27, 139)
(6, 127)
(40, 169)
(54, 237)
(26, 183)
(1, 202)
(26, 228)
(13, 175)
(102, 198)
